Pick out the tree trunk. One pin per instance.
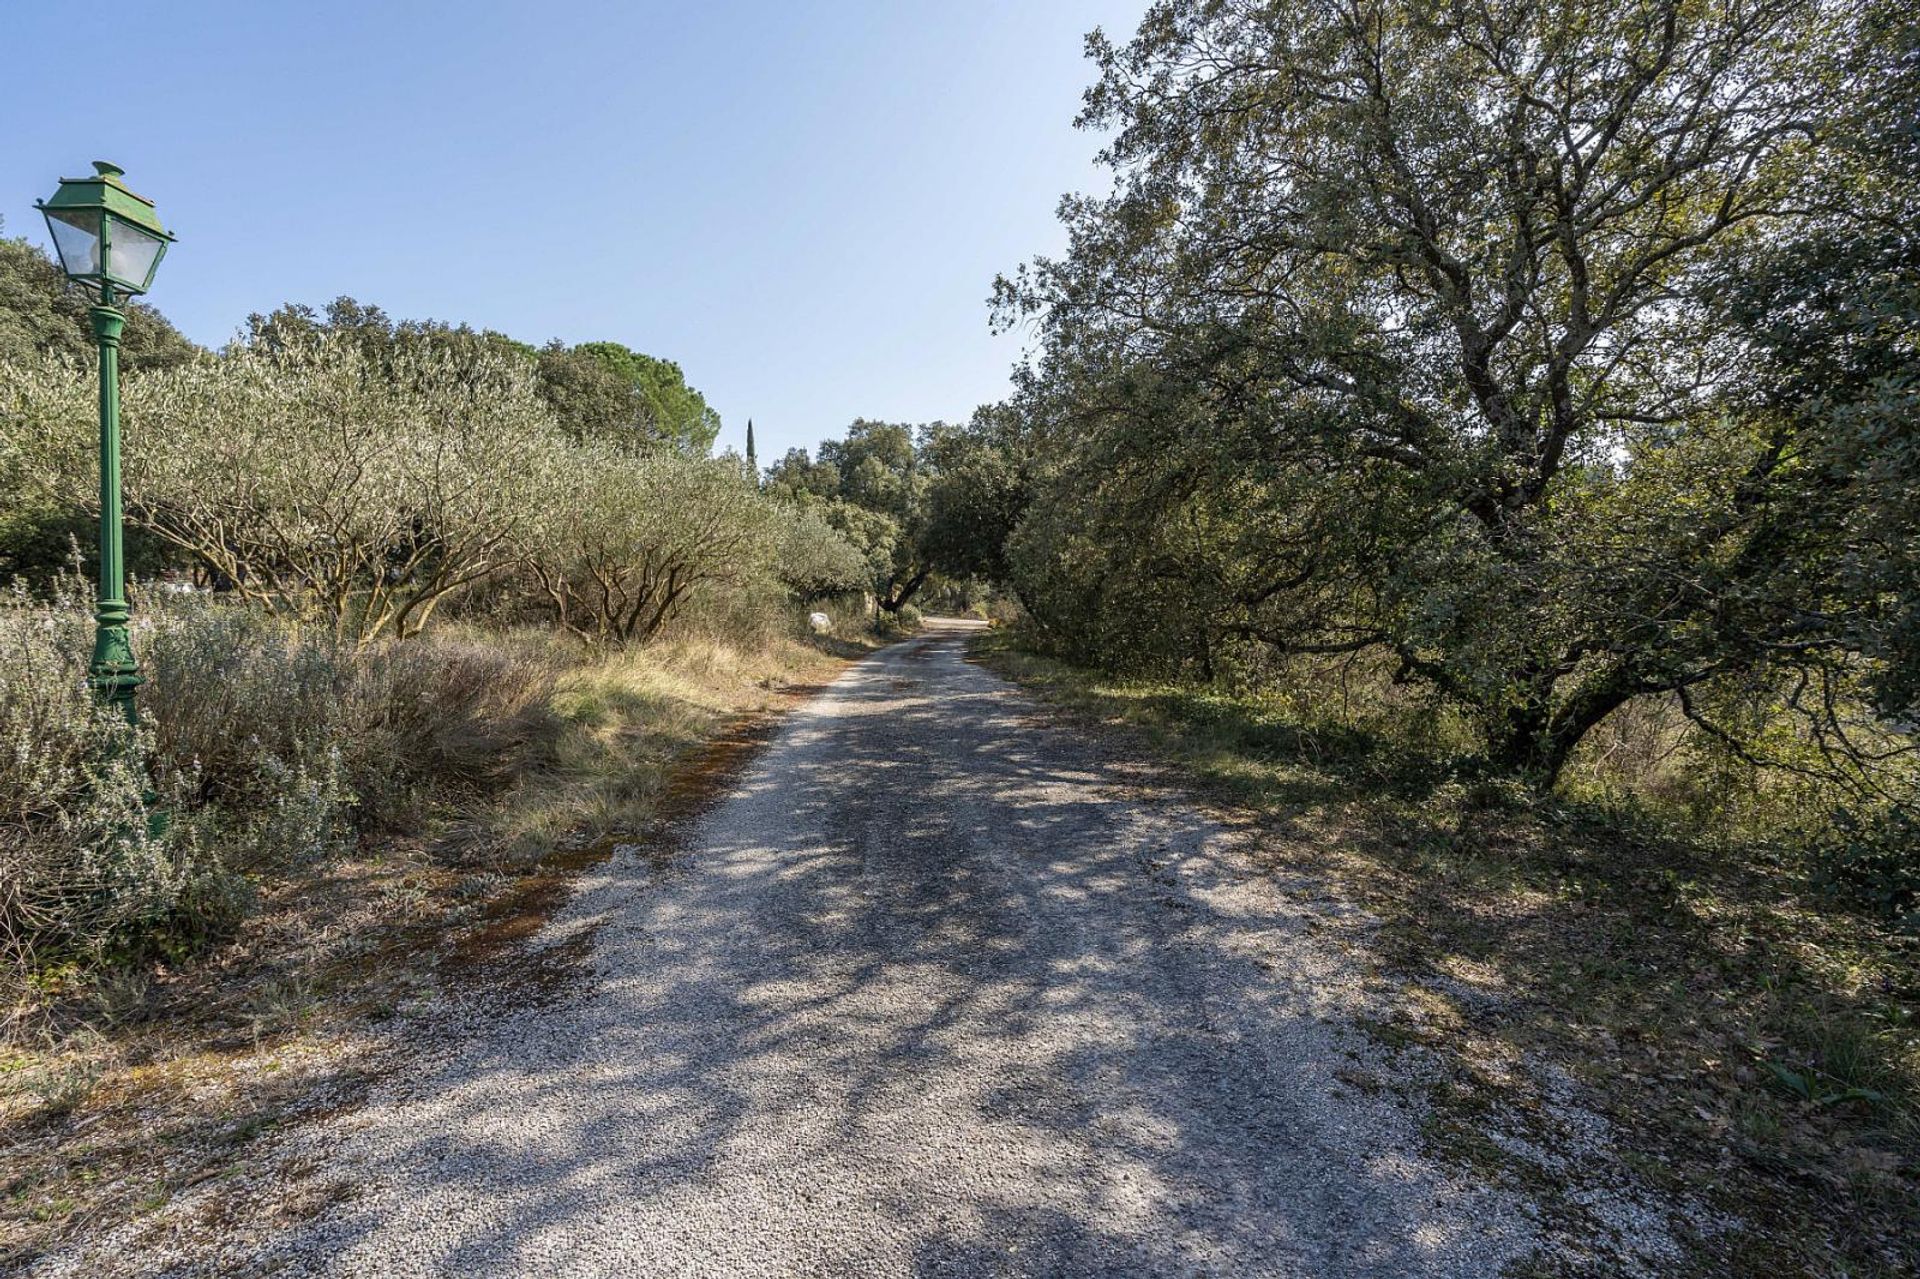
(894, 601)
(1535, 742)
(1518, 743)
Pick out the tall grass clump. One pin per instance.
(261, 712)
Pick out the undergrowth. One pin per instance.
(264, 752)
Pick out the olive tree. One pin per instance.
(623, 542)
(304, 478)
(815, 560)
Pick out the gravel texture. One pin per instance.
(935, 989)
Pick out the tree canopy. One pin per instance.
(670, 411)
(40, 316)
(1407, 329)
(40, 313)
(601, 391)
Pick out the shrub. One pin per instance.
(1873, 859)
(904, 620)
(325, 484)
(814, 560)
(263, 748)
(84, 875)
(262, 714)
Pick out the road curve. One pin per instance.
(936, 989)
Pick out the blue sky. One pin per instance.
(804, 204)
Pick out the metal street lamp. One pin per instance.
(110, 242)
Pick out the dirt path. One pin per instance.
(936, 989)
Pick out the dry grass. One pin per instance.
(621, 723)
(1755, 1047)
(141, 1081)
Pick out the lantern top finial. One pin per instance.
(104, 189)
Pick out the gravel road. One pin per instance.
(937, 988)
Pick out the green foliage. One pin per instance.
(872, 487)
(40, 312)
(592, 401)
(1874, 859)
(345, 471)
(875, 535)
(916, 503)
(305, 476)
(265, 748)
(1833, 316)
(1373, 352)
(799, 478)
(672, 413)
(977, 494)
(876, 468)
(624, 543)
(815, 560)
(600, 391)
(333, 479)
(1808, 1087)
(356, 738)
(83, 875)
(904, 620)
(391, 346)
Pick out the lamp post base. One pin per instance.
(113, 674)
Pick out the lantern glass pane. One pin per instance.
(76, 238)
(131, 254)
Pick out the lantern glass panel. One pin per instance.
(76, 238)
(131, 255)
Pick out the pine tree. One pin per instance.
(753, 459)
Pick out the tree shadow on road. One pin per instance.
(930, 993)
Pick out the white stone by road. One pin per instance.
(935, 990)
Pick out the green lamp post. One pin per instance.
(110, 242)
